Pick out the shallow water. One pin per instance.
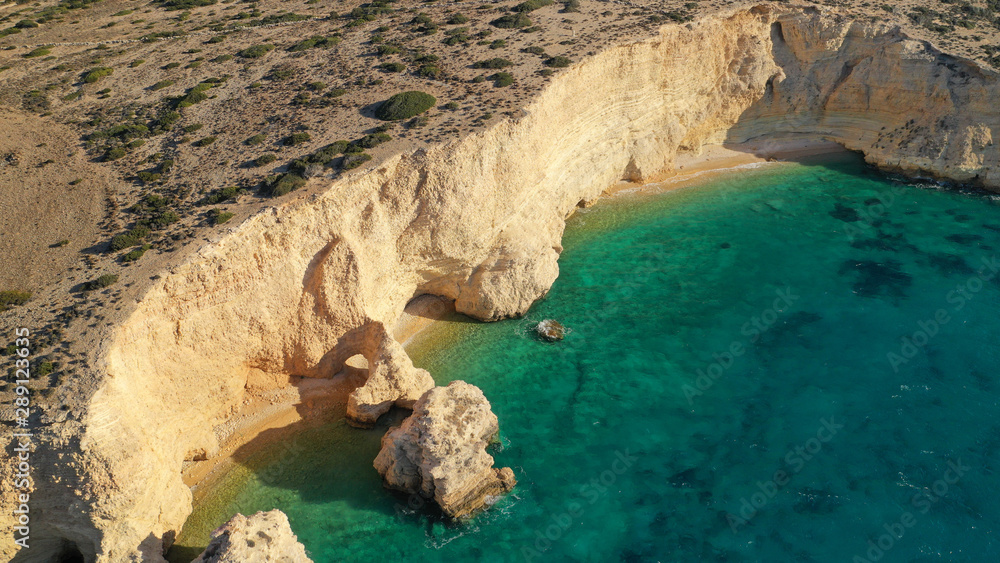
(781, 364)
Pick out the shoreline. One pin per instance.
(304, 400)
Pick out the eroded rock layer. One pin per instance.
(439, 452)
(299, 289)
(265, 537)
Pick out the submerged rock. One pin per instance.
(262, 538)
(439, 452)
(551, 330)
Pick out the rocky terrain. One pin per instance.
(264, 537)
(172, 278)
(439, 452)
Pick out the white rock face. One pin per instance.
(439, 452)
(264, 537)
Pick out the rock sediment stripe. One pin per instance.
(439, 452)
(296, 289)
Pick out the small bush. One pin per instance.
(101, 282)
(373, 140)
(557, 62)
(256, 52)
(405, 105)
(193, 127)
(161, 85)
(317, 86)
(493, 63)
(37, 52)
(392, 67)
(255, 140)
(13, 299)
(136, 63)
(221, 59)
(531, 5)
(136, 254)
(114, 154)
(218, 217)
(285, 183)
(96, 74)
(451, 106)
(216, 39)
(204, 142)
(221, 195)
(498, 44)
(264, 159)
(534, 50)
(457, 19)
(296, 139)
(25, 24)
(128, 238)
(511, 21)
(354, 160)
(501, 79)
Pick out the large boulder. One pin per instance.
(439, 452)
(265, 537)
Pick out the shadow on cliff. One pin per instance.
(319, 461)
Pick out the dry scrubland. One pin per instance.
(134, 131)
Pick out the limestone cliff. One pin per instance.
(439, 452)
(300, 288)
(265, 537)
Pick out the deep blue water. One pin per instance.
(779, 365)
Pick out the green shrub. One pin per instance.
(255, 140)
(283, 184)
(430, 71)
(571, 6)
(405, 105)
(557, 62)
(169, 66)
(531, 5)
(101, 282)
(13, 298)
(37, 52)
(35, 100)
(25, 24)
(493, 63)
(373, 140)
(511, 21)
(204, 142)
(457, 19)
(136, 254)
(282, 72)
(165, 218)
(316, 41)
(296, 139)
(218, 217)
(221, 59)
(384, 50)
(479, 79)
(185, 4)
(534, 50)
(161, 85)
(115, 154)
(264, 159)
(95, 74)
(221, 195)
(501, 79)
(256, 52)
(317, 86)
(136, 63)
(335, 93)
(193, 127)
(451, 106)
(129, 238)
(147, 177)
(216, 39)
(392, 67)
(498, 44)
(44, 369)
(354, 160)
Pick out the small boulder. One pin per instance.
(551, 330)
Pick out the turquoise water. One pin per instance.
(781, 365)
